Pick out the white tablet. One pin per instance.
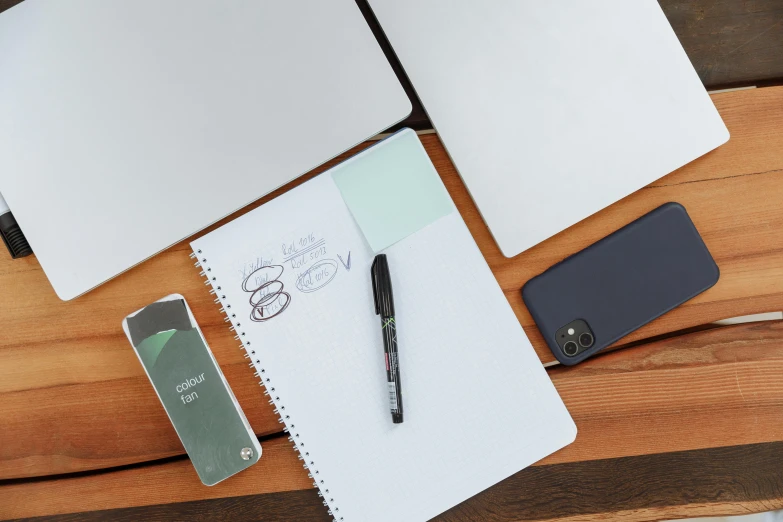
(552, 110)
(128, 126)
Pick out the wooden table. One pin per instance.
(680, 419)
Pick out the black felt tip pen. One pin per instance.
(384, 306)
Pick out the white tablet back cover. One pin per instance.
(127, 126)
(552, 110)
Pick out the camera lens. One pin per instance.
(570, 348)
(586, 340)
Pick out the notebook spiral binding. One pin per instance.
(269, 390)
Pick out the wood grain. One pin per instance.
(641, 488)
(278, 470)
(700, 391)
(730, 42)
(61, 362)
(722, 481)
(713, 388)
(687, 426)
(292, 506)
(8, 4)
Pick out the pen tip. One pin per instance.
(397, 418)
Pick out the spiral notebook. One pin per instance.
(293, 277)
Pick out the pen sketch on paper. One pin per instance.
(306, 258)
(346, 264)
(268, 297)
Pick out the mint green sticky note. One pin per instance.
(392, 189)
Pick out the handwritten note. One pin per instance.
(301, 264)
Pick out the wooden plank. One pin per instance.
(712, 388)
(292, 506)
(278, 470)
(64, 361)
(8, 4)
(103, 424)
(719, 481)
(730, 42)
(706, 390)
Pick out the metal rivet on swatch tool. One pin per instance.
(246, 453)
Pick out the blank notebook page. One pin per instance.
(294, 277)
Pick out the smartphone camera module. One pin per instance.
(586, 340)
(575, 338)
(570, 348)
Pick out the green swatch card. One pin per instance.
(192, 389)
(392, 189)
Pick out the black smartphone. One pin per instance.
(620, 283)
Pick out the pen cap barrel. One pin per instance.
(381, 286)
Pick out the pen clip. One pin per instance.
(374, 277)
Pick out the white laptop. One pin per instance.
(552, 110)
(126, 126)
